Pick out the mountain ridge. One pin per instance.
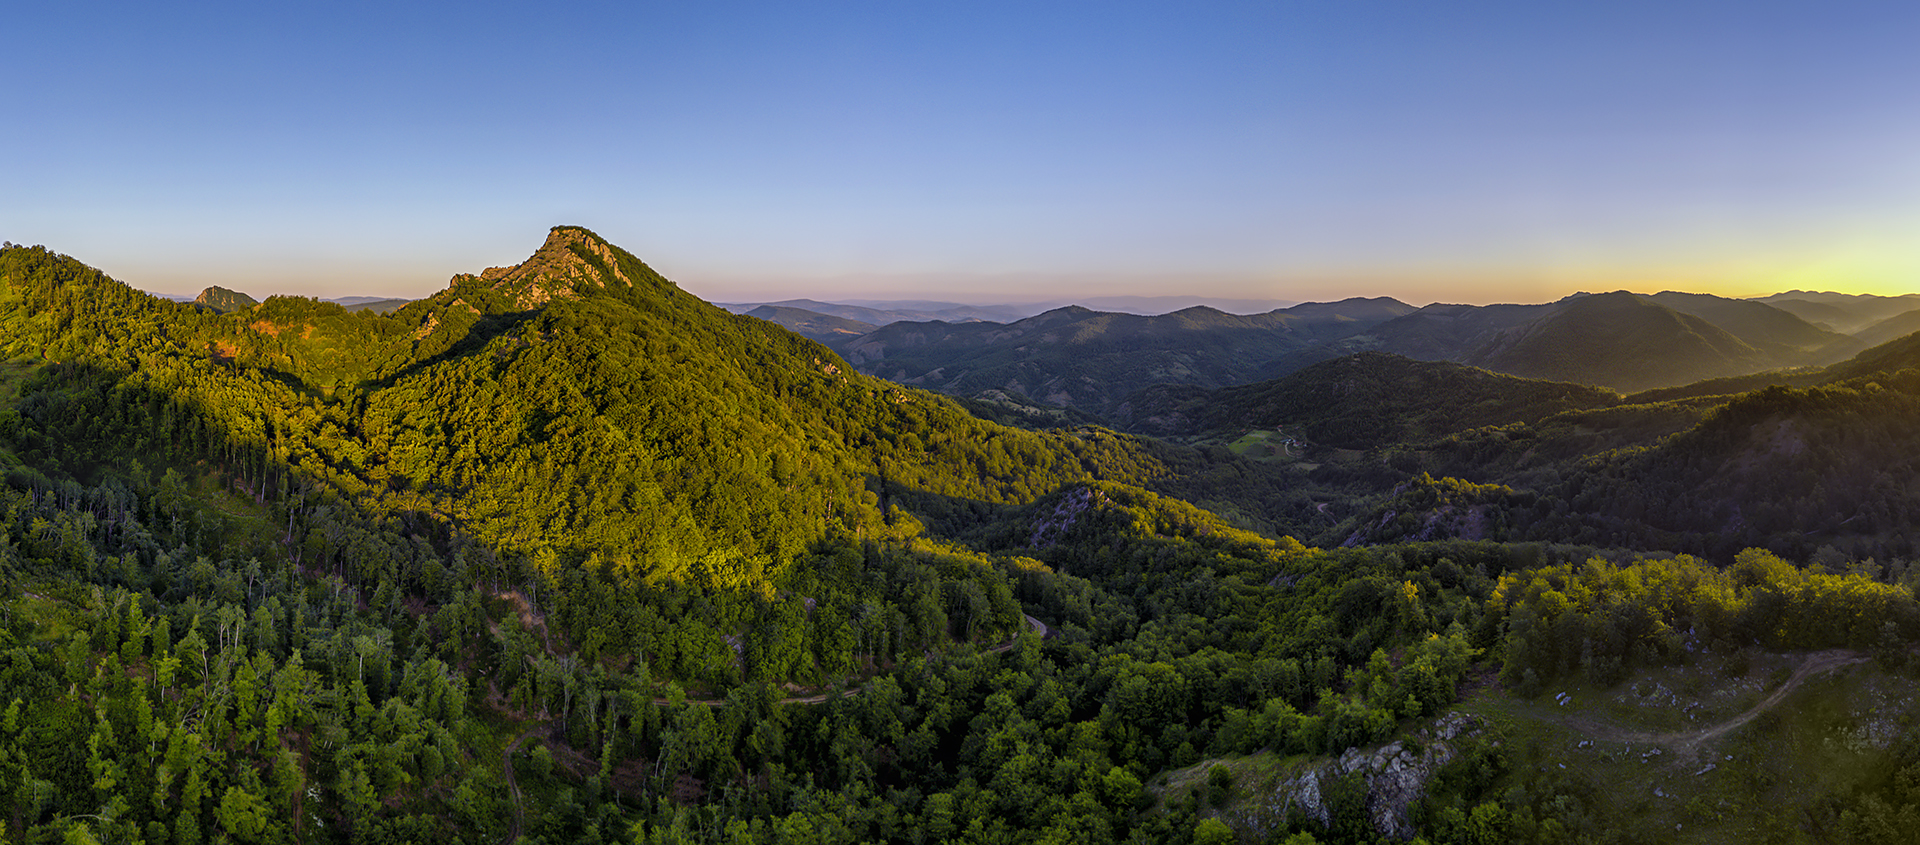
(564, 553)
(1089, 359)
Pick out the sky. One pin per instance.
(977, 152)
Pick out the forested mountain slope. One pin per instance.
(705, 445)
(575, 422)
(1617, 340)
(563, 553)
(1789, 462)
(1891, 328)
(1363, 401)
(1775, 331)
(1789, 469)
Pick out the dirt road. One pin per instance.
(1686, 743)
(513, 786)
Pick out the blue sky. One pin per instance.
(1288, 149)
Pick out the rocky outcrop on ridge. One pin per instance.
(1396, 775)
(571, 256)
(220, 300)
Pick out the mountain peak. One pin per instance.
(571, 259)
(221, 300)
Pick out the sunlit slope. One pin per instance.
(574, 406)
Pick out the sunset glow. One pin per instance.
(1299, 150)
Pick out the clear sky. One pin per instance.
(1290, 149)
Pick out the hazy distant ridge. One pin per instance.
(1089, 360)
(883, 311)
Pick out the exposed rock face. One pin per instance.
(558, 268)
(222, 300)
(1396, 776)
(1050, 528)
(1443, 523)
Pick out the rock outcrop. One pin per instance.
(1396, 775)
(571, 257)
(221, 300)
(1049, 528)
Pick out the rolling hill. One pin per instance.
(1363, 401)
(1891, 328)
(1617, 340)
(811, 324)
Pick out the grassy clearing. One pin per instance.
(1252, 775)
(1706, 752)
(1627, 747)
(1264, 445)
(15, 372)
(1252, 803)
(45, 604)
(213, 489)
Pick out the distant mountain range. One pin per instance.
(1846, 313)
(1090, 360)
(883, 311)
(379, 305)
(1621, 340)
